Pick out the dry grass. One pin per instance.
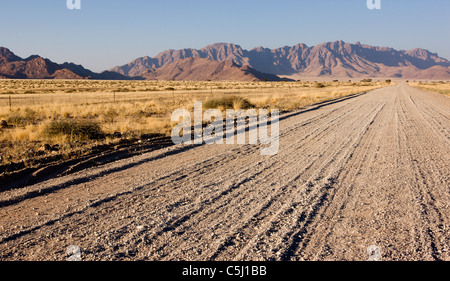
(438, 87)
(58, 113)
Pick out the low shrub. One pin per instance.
(22, 118)
(319, 85)
(75, 129)
(231, 102)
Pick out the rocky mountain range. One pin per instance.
(36, 67)
(333, 59)
(223, 61)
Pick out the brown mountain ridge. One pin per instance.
(333, 59)
(36, 67)
(200, 69)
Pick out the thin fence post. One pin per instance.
(10, 104)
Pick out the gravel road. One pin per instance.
(367, 171)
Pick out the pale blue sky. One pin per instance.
(106, 33)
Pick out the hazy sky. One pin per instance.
(106, 33)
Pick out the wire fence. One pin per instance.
(18, 100)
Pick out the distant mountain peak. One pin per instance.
(223, 44)
(7, 55)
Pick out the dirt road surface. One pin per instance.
(372, 170)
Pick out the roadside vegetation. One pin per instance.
(440, 87)
(39, 118)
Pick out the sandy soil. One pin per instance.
(372, 170)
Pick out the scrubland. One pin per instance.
(69, 117)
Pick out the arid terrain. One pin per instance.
(68, 118)
(369, 169)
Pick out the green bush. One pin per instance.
(83, 129)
